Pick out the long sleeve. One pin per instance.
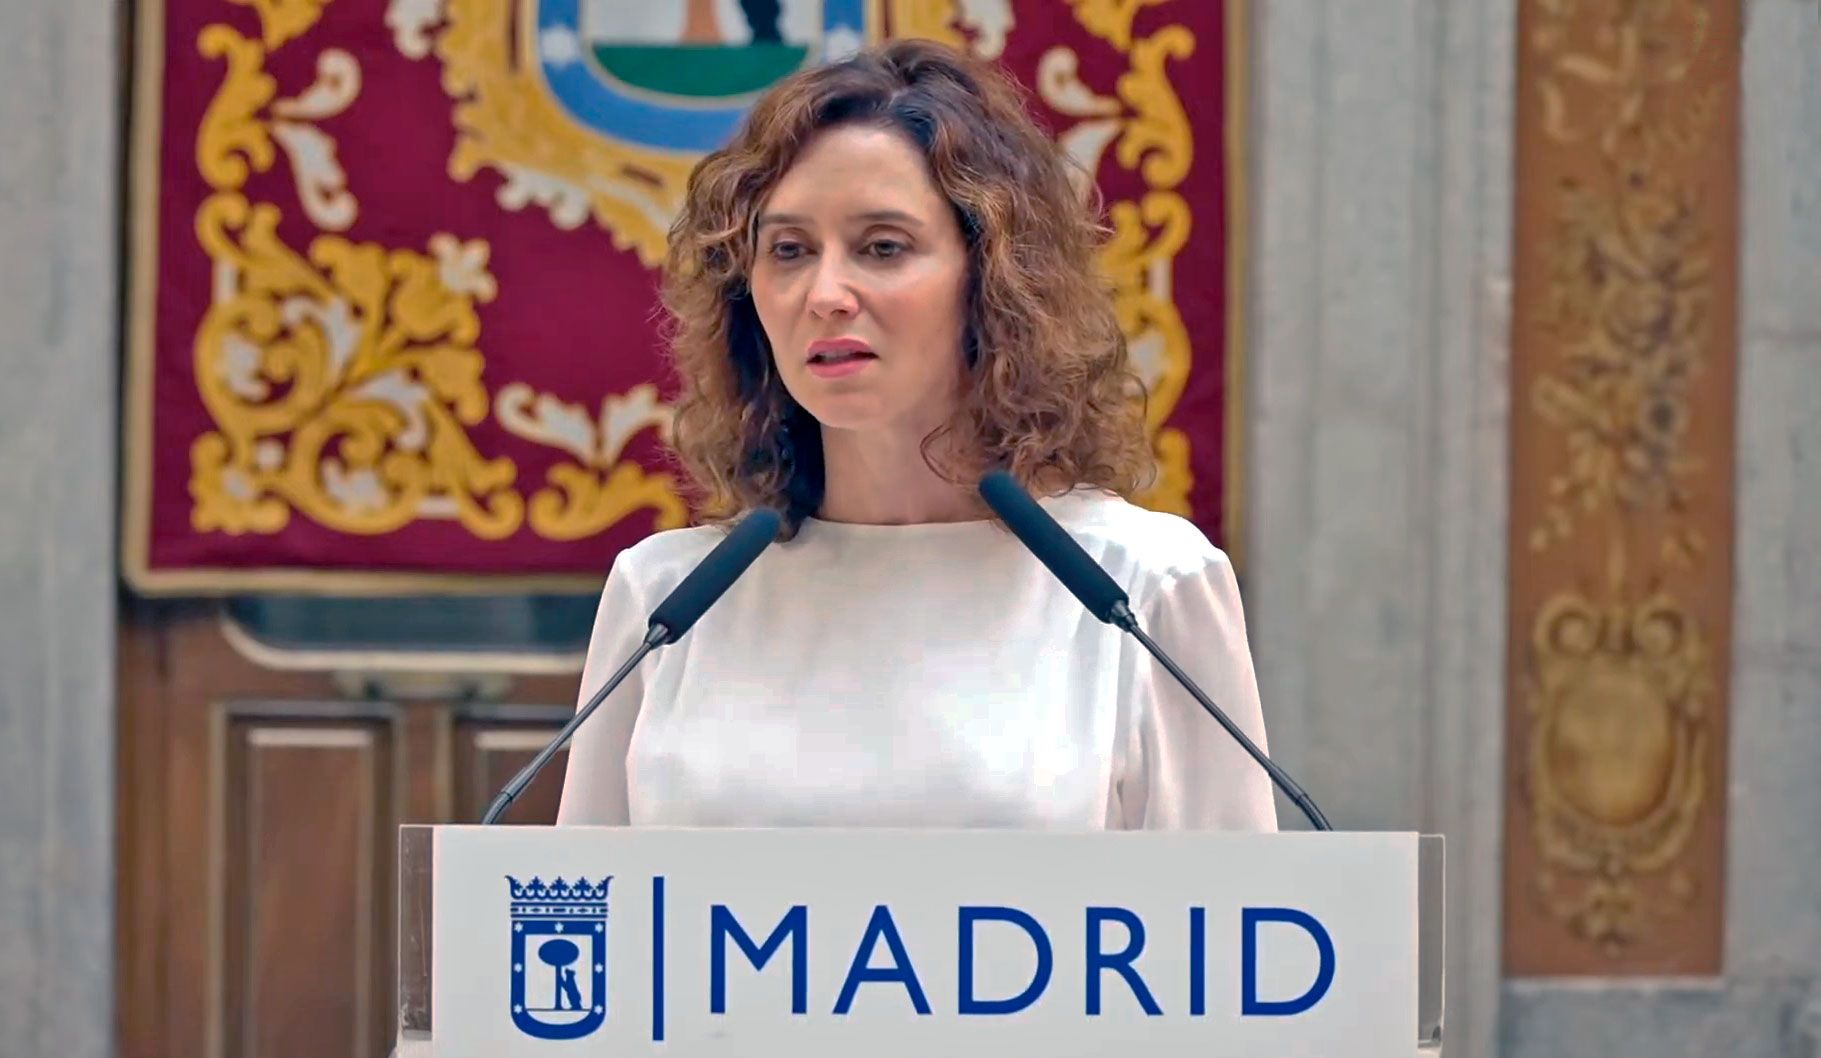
(595, 780)
(1183, 770)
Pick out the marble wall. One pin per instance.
(1376, 480)
(1376, 495)
(59, 321)
(1768, 1003)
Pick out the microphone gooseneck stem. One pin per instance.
(655, 637)
(1123, 617)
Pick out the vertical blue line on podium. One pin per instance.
(657, 959)
(1198, 958)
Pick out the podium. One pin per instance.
(533, 941)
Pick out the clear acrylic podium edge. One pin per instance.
(416, 857)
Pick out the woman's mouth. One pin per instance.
(839, 363)
(838, 358)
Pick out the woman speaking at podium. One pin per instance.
(884, 286)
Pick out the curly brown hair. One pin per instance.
(1050, 392)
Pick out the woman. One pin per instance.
(884, 286)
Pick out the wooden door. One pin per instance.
(258, 813)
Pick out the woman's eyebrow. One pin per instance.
(895, 216)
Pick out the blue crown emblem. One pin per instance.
(559, 956)
(581, 895)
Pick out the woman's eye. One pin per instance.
(885, 247)
(786, 251)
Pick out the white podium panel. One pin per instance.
(813, 943)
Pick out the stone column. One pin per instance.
(60, 76)
(1376, 424)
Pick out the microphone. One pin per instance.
(1107, 601)
(673, 617)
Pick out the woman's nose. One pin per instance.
(831, 290)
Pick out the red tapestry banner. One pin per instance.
(394, 263)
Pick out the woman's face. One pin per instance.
(859, 278)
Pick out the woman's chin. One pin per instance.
(873, 413)
(849, 416)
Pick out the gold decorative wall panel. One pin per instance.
(1623, 364)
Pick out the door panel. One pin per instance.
(258, 832)
(492, 743)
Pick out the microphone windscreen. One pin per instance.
(1052, 544)
(717, 571)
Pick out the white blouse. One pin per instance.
(929, 675)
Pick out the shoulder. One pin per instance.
(1145, 548)
(659, 561)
